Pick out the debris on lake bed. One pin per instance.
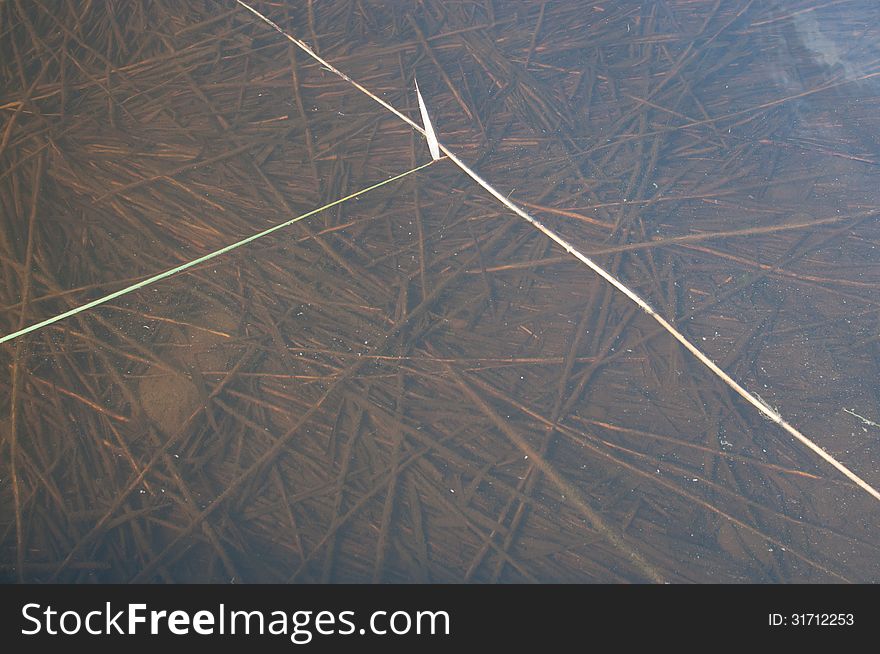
(414, 384)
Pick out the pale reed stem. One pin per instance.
(761, 406)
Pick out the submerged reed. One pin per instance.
(415, 386)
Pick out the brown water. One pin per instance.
(416, 385)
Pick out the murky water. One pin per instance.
(416, 384)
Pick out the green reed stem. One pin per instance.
(202, 259)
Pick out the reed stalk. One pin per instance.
(207, 257)
(767, 411)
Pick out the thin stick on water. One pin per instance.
(756, 402)
(207, 257)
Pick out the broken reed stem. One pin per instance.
(314, 55)
(761, 406)
(202, 259)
